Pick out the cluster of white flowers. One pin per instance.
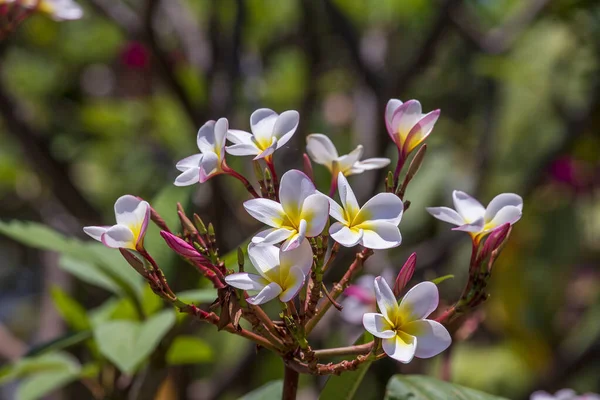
(59, 10)
(282, 253)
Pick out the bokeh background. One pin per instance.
(103, 106)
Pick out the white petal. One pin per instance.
(272, 236)
(118, 236)
(344, 235)
(446, 214)
(390, 109)
(346, 162)
(295, 188)
(401, 347)
(292, 285)
(372, 163)
(420, 301)
(378, 326)
(264, 258)
(468, 207)
(96, 231)
(221, 128)
(262, 122)
(336, 211)
(301, 257)
(246, 281)
(266, 211)
(501, 201)
(286, 126)
(385, 207)
(432, 337)
(294, 240)
(315, 210)
(243, 149)
(347, 197)
(321, 149)
(388, 305)
(189, 162)
(209, 166)
(420, 131)
(268, 293)
(188, 177)
(237, 136)
(509, 214)
(475, 226)
(268, 150)
(379, 235)
(206, 137)
(405, 117)
(132, 212)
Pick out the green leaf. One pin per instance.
(344, 386)
(60, 343)
(87, 272)
(29, 366)
(271, 390)
(419, 387)
(441, 279)
(189, 350)
(42, 384)
(198, 295)
(128, 343)
(70, 310)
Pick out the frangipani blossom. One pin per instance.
(470, 216)
(563, 394)
(322, 151)
(282, 274)
(407, 125)
(303, 212)
(210, 161)
(404, 330)
(59, 10)
(374, 226)
(132, 215)
(270, 131)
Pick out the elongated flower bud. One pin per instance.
(495, 239)
(405, 274)
(183, 248)
(135, 262)
(308, 169)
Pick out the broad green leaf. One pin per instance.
(28, 366)
(88, 273)
(128, 343)
(419, 387)
(271, 390)
(344, 386)
(441, 279)
(70, 310)
(189, 350)
(60, 343)
(198, 295)
(39, 385)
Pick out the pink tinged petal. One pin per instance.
(541, 395)
(378, 326)
(286, 126)
(264, 258)
(315, 210)
(294, 241)
(390, 109)
(432, 337)
(189, 177)
(468, 207)
(295, 187)
(189, 162)
(347, 197)
(336, 211)
(420, 131)
(475, 226)
(379, 235)
(269, 150)
(501, 201)
(372, 163)
(507, 215)
(420, 301)
(272, 236)
(404, 119)
(209, 166)
(133, 213)
(206, 137)
(384, 207)
(346, 162)
(262, 122)
(266, 211)
(292, 284)
(96, 231)
(246, 281)
(301, 257)
(446, 214)
(321, 149)
(268, 293)
(345, 236)
(388, 305)
(221, 128)
(118, 236)
(401, 347)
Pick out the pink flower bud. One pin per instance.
(495, 239)
(135, 262)
(406, 273)
(183, 248)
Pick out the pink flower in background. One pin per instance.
(564, 394)
(135, 55)
(360, 297)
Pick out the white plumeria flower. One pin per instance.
(407, 125)
(132, 215)
(404, 330)
(270, 131)
(282, 274)
(322, 151)
(564, 394)
(210, 161)
(59, 10)
(374, 226)
(303, 212)
(472, 217)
